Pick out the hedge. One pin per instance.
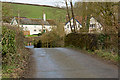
(92, 41)
(14, 53)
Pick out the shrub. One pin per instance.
(14, 53)
(82, 41)
(92, 41)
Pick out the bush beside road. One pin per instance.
(102, 45)
(15, 55)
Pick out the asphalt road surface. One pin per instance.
(67, 63)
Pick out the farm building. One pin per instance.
(34, 26)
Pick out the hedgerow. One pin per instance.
(92, 41)
(14, 53)
(104, 45)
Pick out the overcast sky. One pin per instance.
(41, 2)
(53, 2)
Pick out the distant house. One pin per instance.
(34, 26)
(94, 25)
(67, 27)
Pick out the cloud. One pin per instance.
(41, 2)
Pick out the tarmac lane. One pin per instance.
(68, 63)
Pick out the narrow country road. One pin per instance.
(67, 63)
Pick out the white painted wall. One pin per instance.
(32, 28)
(97, 26)
(35, 29)
(68, 29)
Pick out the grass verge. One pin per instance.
(107, 56)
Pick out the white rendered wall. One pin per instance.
(38, 28)
(68, 30)
(98, 26)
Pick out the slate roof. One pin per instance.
(31, 21)
(75, 19)
(78, 19)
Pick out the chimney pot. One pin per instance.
(44, 16)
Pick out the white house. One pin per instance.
(67, 27)
(35, 26)
(95, 26)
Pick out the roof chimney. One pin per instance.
(44, 16)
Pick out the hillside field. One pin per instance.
(31, 11)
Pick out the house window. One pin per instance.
(92, 25)
(35, 30)
(40, 30)
(44, 30)
(67, 26)
(26, 28)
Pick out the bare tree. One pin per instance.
(105, 13)
(74, 23)
(68, 14)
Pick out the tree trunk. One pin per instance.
(68, 14)
(74, 24)
(47, 44)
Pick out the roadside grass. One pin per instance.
(17, 68)
(31, 35)
(107, 55)
(7, 70)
